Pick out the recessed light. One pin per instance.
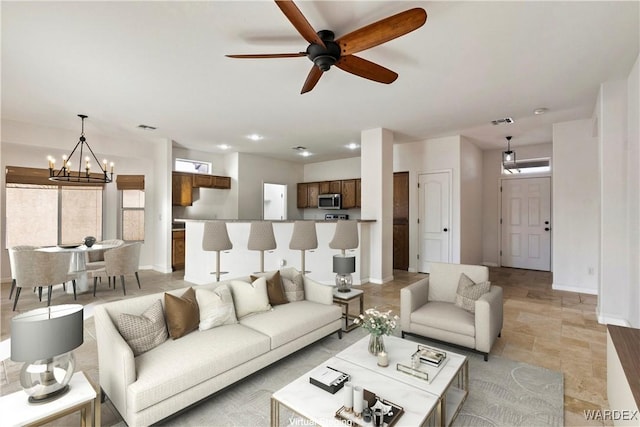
(539, 111)
(255, 137)
(352, 146)
(224, 146)
(305, 154)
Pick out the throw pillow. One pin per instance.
(183, 314)
(216, 307)
(275, 291)
(469, 291)
(293, 284)
(249, 298)
(144, 332)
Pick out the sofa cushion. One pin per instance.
(293, 283)
(445, 316)
(183, 314)
(469, 291)
(178, 365)
(287, 322)
(216, 307)
(250, 298)
(146, 331)
(275, 291)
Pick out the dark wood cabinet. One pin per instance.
(349, 189)
(401, 220)
(222, 182)
(177, 249)
(303, 198)
(358, 193)
(211, 181)
(181, 189)
(330, 187)
(348, 194)
(313, 189)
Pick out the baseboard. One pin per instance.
(381, 282)
(560, 287)
(607, 320)
(490, 264)
(158, 268)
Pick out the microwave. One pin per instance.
(329, 201)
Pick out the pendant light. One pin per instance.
(508, 156)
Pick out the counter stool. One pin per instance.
(216, 238)
(261, 238)
(304, 238)
(345, 237)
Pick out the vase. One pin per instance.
(376, 344)
(89, 241)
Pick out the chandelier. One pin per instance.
(83, 174)
(509, 156)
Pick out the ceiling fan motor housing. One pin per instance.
(322, 57)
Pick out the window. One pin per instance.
(193, 166)
(133, 215)
(45, 215)
(529, 166)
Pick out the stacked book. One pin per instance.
(431, 356)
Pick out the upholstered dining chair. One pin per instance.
(12, 263)
(261, 238)
(304, 238)
(216, 238)
(95, 259)
(39, 269)
(119, 261)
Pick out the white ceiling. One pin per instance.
(163, 64)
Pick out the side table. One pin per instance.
(82, 396)
(344, 299)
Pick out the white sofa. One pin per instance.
(427, 308)
(179, 373)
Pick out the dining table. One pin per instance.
(78, 265)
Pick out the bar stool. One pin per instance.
(216, 238)
(261, 238)
(304, 238)
(345, 237)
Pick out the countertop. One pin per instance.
(274, 221)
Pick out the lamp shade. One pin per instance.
(46, 332)
(344, 264)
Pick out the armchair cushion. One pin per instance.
(469, 291)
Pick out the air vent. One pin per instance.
(299, 148)
(506, 120)
(147, 127)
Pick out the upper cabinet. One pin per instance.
(349, 189)
(183, 184)
(308, 194)
(330, 187)
(349, 194)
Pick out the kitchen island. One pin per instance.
(200, 265)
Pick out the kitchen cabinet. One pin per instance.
(330, 187)
(211, 181)
(222, 182)
(308, 194)
(177, 249)
(181, 189)
(349, 194)
(350, 190)
(303, 197)
(358, 192)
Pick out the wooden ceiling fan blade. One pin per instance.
(382, 31)
(312, 79)
(367, 69)
(298, 20)
(268, 55)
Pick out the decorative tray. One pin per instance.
(70, 245)
(391, 416)
(425, 363)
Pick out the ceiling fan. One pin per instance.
(324, 51)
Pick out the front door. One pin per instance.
(434, 222)
(526, 223)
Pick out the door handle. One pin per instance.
(445, 230)
(547, 229)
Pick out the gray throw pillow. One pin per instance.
(146, 331)
(468, 292)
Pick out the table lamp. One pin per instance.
(343, 266)
(44, 339)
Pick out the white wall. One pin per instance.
(576, 207)
(28, 145)
(492, 161)
(633, 194)
(420, 157)
(471, 200)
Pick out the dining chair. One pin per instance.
(39, 269)
(119, 261)
(95, 259)
(12, 263)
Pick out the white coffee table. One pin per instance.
(319, 406)
(450, 385)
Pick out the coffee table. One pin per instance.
(319, 406)
(450, 385)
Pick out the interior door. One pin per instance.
(434, 219)
(401, 221)
(274, 201)
(526, 223)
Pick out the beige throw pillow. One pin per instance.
(183, 314)
(275, 291)
(216, 307)
(468, 292)
(249, 298)
(293, 284)
(146, 331)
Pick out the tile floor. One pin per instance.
(554, 329)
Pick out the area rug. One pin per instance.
(502, 392)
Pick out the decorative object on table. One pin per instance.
(430, 355)
(44, 338)
(89, 241)
(366, 415)
(378, 324)
(383, 359)
(348, 396)
(329, 379)
(358, 401)
(389, 412)
(343, 266)
(345, 237)
(83, 174)
(425, 363)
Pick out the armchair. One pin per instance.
(428, 309)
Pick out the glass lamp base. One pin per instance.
(344, 282)
(47, 379)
